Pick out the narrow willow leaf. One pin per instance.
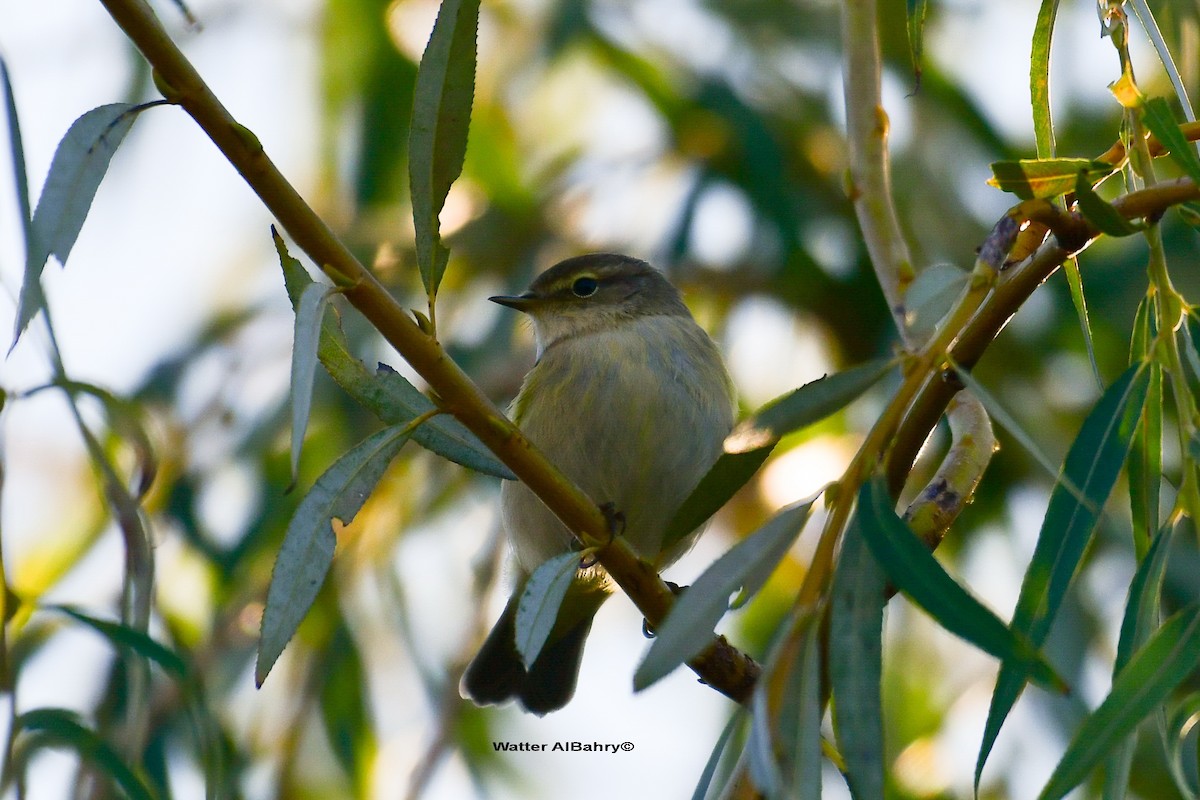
(1075, 285)
(1100, 213)
(186, 12)
(805, 406)
(442, 101)
(1000, 414)
(1191, 333)
(16, 149)
(1179, 744)
(1039, 78)
(309, 541)
(1161, 122)
(798, 730)
(1145, 454)
(139, 574)
(60, 727)
(753, 440)
(1189, 212)
(540, 600)
(688, 628)
(714, 758)
(78, 167)
(916, 33)
(760, 746)
(1093, 464)
(858, 596)
(310, 312)
(1150, 24)
(344, 704)
(1170, 656)
(914, 571)
(931, 297)
(1051, 177)
(722, 481)
(1141, 616)
(397, 399)
(386, 393)
(123, 636)
(126, 420)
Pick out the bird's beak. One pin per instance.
(521, 302)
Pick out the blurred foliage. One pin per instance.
(664, 129)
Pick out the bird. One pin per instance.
(630, 398)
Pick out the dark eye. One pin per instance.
(585, 287)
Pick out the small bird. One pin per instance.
(631, 400)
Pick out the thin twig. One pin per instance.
(870, 174)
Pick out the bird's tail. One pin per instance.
(497, 673)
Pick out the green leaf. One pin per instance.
(714, 758)
(931, 297)
(1178, 738)
(123, 636)
(309, 541)
(805, 406)
(1191, 333)
(1045, 177)
(722, 481)
(798, 731)
(1161, 122)
(310, 312)
(857, 599)
(441, 117)
(1006, 421)
(754, 438)
(914, 571)
(1150, 24)
(344, 707)
(1101, 214)
(58, 726)
(17, 153)
(385, 392)
(126, 420)
(538, 607)
(1141, 610)
(916, 33)
(760, 746)
(688, 628)
(1039, 78)
(1145, 454)
(1189, 212)
(1075, 285)
(1093, 464)
(79, 164)
(1141, 616)
(1144, 684)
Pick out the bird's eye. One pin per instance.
(585, 287)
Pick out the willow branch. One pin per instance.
(870, 175)
(721, 666)
(1013, 288)
(972, 444)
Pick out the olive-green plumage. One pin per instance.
(631, 400)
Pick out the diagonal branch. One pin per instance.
(720, 665)
(1014, 287)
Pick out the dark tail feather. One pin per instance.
(551, 680)
(496, 674)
